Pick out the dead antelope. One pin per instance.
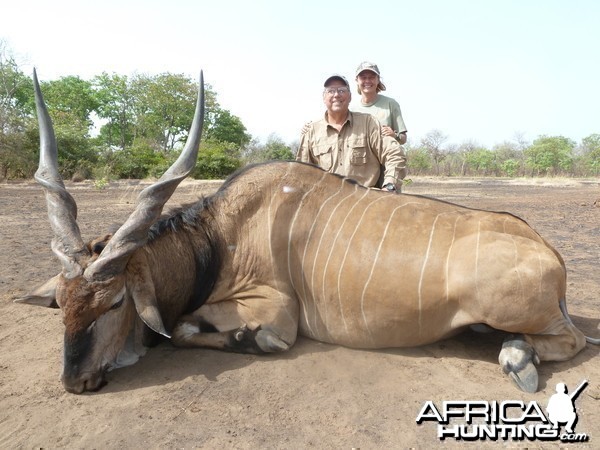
(286, 248)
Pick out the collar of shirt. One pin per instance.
(349, 120)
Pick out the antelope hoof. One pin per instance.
(269, 342)
(518, 359)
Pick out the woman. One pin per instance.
(385, 109)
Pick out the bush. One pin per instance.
(139, 161)
(550, 155)
(510, 167)
(216, 160)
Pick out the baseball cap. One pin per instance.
(336, 76)
(366, 65)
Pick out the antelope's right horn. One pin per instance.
(134, 232)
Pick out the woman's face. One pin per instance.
(367, 81)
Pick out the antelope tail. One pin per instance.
(563, 309)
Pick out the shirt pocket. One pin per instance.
(358, 152)
(323, 154)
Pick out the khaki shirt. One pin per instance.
(357, 151)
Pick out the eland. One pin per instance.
(283, 249)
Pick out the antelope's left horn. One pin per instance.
(67, 243)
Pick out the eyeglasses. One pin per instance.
(340, 91)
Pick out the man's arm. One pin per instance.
(398, 122)
(394, 161)
(389, 152)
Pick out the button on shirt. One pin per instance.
(357, 151)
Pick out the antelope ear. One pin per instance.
(141, 289)
(151, 317)
(45, 295)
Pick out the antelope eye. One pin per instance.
(118, 304)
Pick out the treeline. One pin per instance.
(545, 156)
(114, 126)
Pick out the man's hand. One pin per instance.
(305, 128)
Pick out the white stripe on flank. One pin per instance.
(291, 230)
(362, 300)
(301, 298)
(308, 240)
(448, 259)
(333, 243)
(477, 262)
(422, 275)
(520, 279)
(508, 219)
(540, 285)
(339, 286)
(278, 287)
(312, 281)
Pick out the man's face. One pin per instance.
(336, 96)
(367, 81)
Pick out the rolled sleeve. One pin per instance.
(394, 161)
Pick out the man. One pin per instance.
(350, 143)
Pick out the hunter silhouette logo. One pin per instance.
(561, 406)
(507, 420)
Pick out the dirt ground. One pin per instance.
(316, 395)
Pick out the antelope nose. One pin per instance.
(88, 382)
(74, 386)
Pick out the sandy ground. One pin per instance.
(316, 395)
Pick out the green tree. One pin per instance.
(165, 109)
(419, 160)
(510, 167)
(590, 147)
(215, 161)
(274, 149)
(277, 150)
(156, 108)
(510, 157)
(228, 128)
(73, 96)
(17, 156)
(550, 155)
(590, 143)
(482, 161)
(116, 98)
(138, 161)
(433, 142)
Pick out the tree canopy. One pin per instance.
(114, 126)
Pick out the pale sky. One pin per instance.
(481, 71)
